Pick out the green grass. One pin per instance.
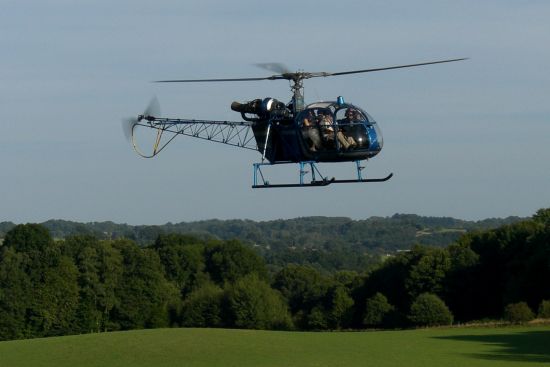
(510, 346)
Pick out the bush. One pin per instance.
(429, 310)
(518, 313)
(544, 309)
(317, 320)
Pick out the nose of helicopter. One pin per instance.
(376, 141)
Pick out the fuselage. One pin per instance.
(322, 132)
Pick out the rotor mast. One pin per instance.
(297, 88)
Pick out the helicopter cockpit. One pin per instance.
(343, 127)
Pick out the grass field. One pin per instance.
(509, 346)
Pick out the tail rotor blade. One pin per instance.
(153, 109)
(128, 126)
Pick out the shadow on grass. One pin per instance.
(529, 346)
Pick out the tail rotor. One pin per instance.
(129, 123)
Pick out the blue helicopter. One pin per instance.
(334, 131)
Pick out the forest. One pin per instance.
(85, 283)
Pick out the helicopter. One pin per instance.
(283, 133)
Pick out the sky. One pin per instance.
(469, 139)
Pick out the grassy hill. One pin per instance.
(511, 346)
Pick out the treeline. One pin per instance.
(326, 243)
(385, 234)
(84, 284)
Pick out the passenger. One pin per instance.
(310, 131)
(326, 124)
(327, 128)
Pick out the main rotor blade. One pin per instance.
(273, 77)
(285, 74)
(389, 67)
(275, 67)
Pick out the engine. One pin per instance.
(264, 109)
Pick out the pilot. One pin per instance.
(348, 128)
(351, 114)
(352, 117)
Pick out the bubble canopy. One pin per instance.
(342, 126)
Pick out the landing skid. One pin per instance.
(314, 171)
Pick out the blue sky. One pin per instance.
(469, 140)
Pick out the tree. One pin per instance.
(508, 268)
(56, 299)
(428, 273)
(429, 310)
(146, 298)
(544, 309)
(460, 282)
(229, 261)
(28, 237)
(518, 313)
(390, 279)
(542, 216)
(100, 270)
(340, 310)
(203, 307)
(252, 304)
(183, 259)
(15, 297)
(49, 298)
(377, 311)
(347, 278)
(302, 286)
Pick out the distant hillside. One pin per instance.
(375, 234)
